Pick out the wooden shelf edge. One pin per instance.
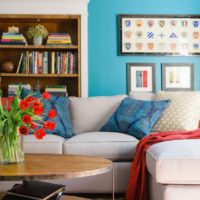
(38, 75)
(38, 47)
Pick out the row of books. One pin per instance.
(13, 39)
(56, 90)
(13, 88)
(55, 39)
(36, 62)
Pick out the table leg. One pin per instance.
(113, 182)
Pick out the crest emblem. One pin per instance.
(196, 35)
(195, 24)
(139, 46)
(161, 35)
(139, 23)
(184, 34)
(150, 23)
(162, 46)
(173, 23)
(128, 45)
(184, 46)
(150, 45)
(150, 35)
(139, 34)
(127, 34)
(173, 35)
(195, 46)
(184, 23)
(173, 46)
(161, 23)
(127, 23)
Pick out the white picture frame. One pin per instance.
(141, 77)
(177, 76)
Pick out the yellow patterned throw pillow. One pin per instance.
(183, 113)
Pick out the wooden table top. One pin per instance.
(40, 166)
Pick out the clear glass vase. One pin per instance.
(11, 148)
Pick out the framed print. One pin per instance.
(159, 34)
(177, 77)
(141, 77)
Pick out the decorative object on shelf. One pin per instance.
(177, 76)
(141, 77)
(159, 34)
(8, 67)
(13, 29)
(37, 86)
(18, 118)
(37, 32)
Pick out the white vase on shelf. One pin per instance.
(37, 41)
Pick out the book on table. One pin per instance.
(35, 190)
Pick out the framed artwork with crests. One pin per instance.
(159, 34)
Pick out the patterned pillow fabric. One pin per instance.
(135, 117)
(60, 104)
(183, 112)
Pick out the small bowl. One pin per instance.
(8, 67)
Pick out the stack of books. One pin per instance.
(57, 90)
(35, 190)
(13, 39)
(13, 88)
(57, 39)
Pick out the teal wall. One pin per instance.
(107, 70)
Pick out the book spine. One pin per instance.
(45, 62)
(53, 63)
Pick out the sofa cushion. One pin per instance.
(102, 144)
(63, 126)
(90, 114)
(175, 162)
(182, 114)
(135, 117)
(50, 144)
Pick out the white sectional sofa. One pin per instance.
(173, 166)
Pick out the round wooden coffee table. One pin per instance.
(40, 166)
(37, 166)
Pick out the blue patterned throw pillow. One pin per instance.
(60, 104)
(135, 117)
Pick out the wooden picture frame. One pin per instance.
(177, 76)
(141, 77)
(159, 34)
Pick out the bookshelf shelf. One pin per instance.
(43, 47)
(48, 65)
(38, 75)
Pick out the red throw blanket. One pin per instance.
(137, 187)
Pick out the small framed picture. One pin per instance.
(177, 76)
(141, 77)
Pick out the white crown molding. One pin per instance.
(43, 7)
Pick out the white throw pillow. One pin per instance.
(183, 112)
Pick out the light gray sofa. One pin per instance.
(173, 166)
(88, 115)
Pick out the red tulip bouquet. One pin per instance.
(21, 117)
